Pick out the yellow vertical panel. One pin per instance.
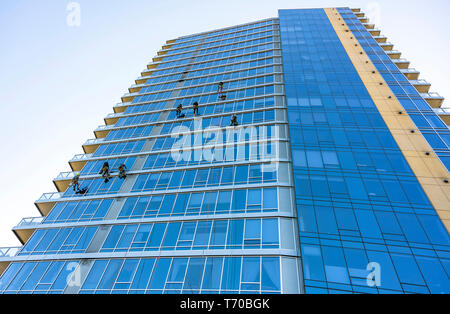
(429, 170)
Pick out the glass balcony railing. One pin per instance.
(419, 82)
(442, 111)
(9, 251)
(30, 222)
(81, 157)
(140, 78)
(104, 128)
(114, 115)
(137, 85)
(122, 104)
(411, 70)
(432, 95)
(130, 94)
(154, 62)
(94, 141)
(65, 175)
(50, 196)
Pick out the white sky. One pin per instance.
(57, 83)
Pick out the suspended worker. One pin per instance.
(76, 182)
(195, 106)
(220, 87)
(179, 108)
(122, 170)
(234, 121)
(105, 172)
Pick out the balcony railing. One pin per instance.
(432, 95)
(94, 141)
(81, 157)
(30, 221)
(130, 94)
(401, 60)
(69, 175)
(114, 115)
(137, 85)
(50, 196)
(419, 82)
(442, 111)
(104, 128)
(122, 104)
(410, 70)
(9, 251)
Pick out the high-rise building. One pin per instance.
(315, 162)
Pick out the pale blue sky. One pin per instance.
(57, 83)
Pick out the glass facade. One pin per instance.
(284, 179)
(205, 208)
(358, 201)
(434, 130)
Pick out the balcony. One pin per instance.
(433, 99)
(401, 63)
(422, 86)
(121, 107)
(153, 65)
(46, 202)
(411, 74)
(5, 254)
(380, 39)
(157, 59)
(359, 14)
(129, 97)
(363, 20)
(369, 26)
(162, 52)
(387, 46)
(26, 228)
(90, 146)
(357, 10)
(141, 80)
(135, 88)
(9, 251)
(79, 161)
(102, 131)
(374, 32)
(394, 54)
(112, 118)
(444, 114)
(62, 181)
(146, 73)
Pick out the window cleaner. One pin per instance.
(234, 121)
(105, 172)
(76, 182)
(122, 170)
(179, 109)
(195, 106)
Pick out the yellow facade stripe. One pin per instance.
(427, 167)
